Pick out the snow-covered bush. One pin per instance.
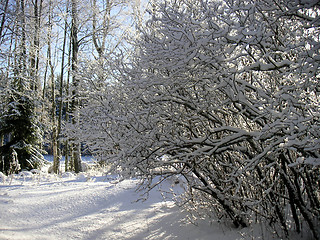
(25, 175)
(84, 166)
(226, 95)
(2, 177)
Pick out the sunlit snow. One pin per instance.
(94, 205)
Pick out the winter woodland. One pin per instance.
(220, 96)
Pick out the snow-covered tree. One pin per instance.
(19, 124)
(100, 35)
(224, 94)
(45, 41)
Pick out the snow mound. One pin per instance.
(2, 177)
(26, 175)
(67, 175)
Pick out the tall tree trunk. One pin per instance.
(45, 77)
(23, 56)
(76, 154)
(61, 83)
(3, 19)
(34, 53)
(21, 50)
(68, 163)
(56, 158)
(99, 44)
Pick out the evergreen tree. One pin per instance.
(19, 125)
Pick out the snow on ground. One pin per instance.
(85, 206)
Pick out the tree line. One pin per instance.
(43, 45)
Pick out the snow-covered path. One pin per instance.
(90, 208)
(40, 207)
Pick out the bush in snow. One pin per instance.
(2, 177)
(67, 175)
(26, 175)
(224, 94)
(50, 169)
(84, 166)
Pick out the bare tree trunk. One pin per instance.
(68, 163)
(1, 140)
(34, 53)
(61, 83)
(99, 44)
(45, 77)
(56, 158)
(20, 48)
(23, 56)
(76, 155)
(3, 18)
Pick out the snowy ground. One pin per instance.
(93, 206)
